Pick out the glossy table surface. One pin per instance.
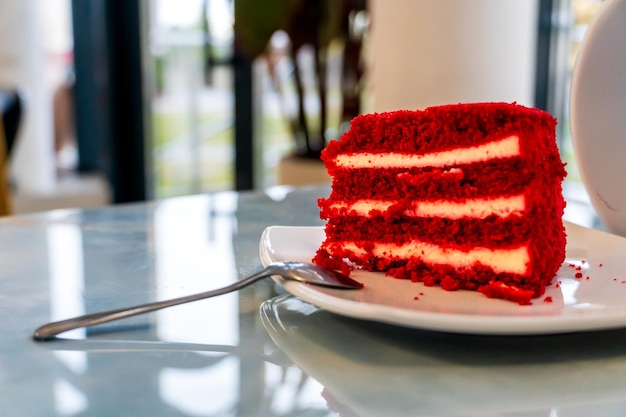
(258, 352)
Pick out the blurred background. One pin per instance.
(146, 99)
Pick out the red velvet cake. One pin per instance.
(464, 196)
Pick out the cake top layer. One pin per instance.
(439, 128)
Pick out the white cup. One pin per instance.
(598, 114)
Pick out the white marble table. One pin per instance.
(259, 352)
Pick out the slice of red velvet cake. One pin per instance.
(464, 196)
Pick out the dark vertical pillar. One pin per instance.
(244, 158)
(109, 94)
(91, 91)
(552, 72)
(544, 54)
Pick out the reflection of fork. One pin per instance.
(276, 357)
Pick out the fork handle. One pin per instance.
(50, 330)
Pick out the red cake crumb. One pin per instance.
(548, 299)
(450, 284)
(388, 166)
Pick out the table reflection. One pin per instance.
(440, 374)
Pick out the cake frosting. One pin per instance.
(464, 196)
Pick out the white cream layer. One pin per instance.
(503, 148)
(476, 208)
(513, 260)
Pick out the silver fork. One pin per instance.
(296, 271)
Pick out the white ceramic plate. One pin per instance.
(598, 113)
(594, 302)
